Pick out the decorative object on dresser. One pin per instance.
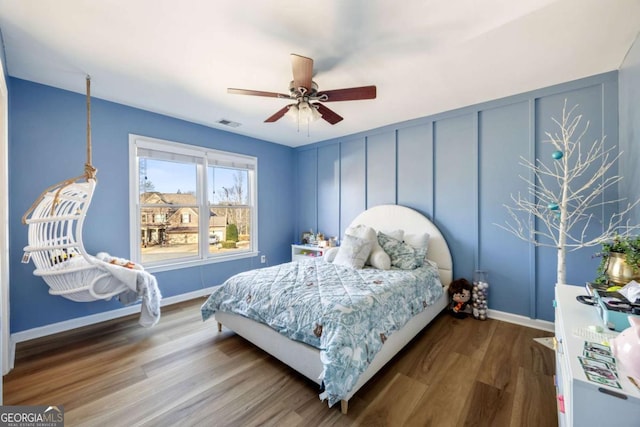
(626, 347)
(620, 262)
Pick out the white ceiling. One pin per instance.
(425, 56)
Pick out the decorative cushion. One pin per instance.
(396, 234)
(418, 241)
(330, 254)
(402, 255)
(366, 233)
(362, 232)
(378, 258)
(353, 252)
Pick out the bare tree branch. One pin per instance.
(567, 211)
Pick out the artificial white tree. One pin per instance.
(565, 197)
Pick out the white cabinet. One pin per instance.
(302, 252)
(582, 403)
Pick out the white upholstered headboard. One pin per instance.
(394, 217)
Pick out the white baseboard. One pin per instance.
(79, 322)
(522, 320)
(68, 325)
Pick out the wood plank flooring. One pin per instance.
(183, 372)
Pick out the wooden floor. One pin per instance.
(183, 372)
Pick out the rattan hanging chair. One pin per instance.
(55, 223)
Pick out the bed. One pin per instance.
(318, 357)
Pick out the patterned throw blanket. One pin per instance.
(346, 313)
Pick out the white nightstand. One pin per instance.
(302, 252)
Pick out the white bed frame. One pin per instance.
(306, 359)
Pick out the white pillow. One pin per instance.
(330, 255)
(353, 252)
(362, 232)
(378, 258)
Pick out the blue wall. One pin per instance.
(459, 168)
(47, 144)
(629, 83)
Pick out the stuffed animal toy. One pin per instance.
(460, 294)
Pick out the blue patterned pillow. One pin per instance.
(403, 255)
(353, 252)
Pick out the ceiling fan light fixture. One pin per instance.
(292, 112)
(315, 113)
(307, 112)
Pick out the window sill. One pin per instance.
(198, 262)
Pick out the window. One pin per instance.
(202, 204)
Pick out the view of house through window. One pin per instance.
(192, 204)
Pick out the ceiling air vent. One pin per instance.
(228, 123)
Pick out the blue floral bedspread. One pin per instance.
(346, 313)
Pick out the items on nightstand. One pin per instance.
(480, 294)
(318, 239)
(308, 238)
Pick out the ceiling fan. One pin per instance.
(307, 98)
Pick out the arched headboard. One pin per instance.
(394, 217)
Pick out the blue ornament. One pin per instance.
(557, 154)
(553, 206)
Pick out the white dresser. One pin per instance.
(583, 403)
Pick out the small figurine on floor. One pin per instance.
(460, 294)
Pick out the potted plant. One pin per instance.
(620, 260)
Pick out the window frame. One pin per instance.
(206, 157)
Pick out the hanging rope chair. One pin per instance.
(55, 223)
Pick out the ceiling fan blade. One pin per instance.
(327, 114)
(350, 94)
(256, 93)
(302, 71)
(278, 115)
